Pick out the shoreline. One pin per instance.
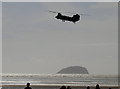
(57, 86)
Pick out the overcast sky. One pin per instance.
(35, 42)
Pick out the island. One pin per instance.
(73, 70)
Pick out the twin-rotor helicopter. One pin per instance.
(75, 18)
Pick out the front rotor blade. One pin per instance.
(53, 12)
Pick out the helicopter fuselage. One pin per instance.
(64, 18)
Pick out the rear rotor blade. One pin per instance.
(85, 14)
(69, 12)
(61, 12)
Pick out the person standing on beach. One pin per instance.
(28, 86)
(68, 87)
(97, 86)
(88, 87)
(63, 87)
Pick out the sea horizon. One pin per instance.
(59, 79)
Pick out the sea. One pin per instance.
(55, 81)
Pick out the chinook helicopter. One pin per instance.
(74, 18)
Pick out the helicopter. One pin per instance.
(64, 18)
(75, 18)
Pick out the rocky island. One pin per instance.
(73, 70)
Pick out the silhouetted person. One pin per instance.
(68, 87)
(63, 87)
(109, 88)
(88, 87)
(28, 86)
(97, 86)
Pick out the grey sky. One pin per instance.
(35, 42)
(60, 0)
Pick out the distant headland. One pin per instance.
(73, 70)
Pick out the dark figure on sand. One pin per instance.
(28, 86)
(97, 86)
(63, 87)
(68, 87)
(88, 87)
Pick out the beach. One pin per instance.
(55, 81)
(55, 87)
